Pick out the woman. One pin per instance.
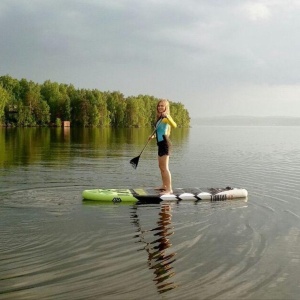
(164, 122)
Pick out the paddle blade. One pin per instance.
(134, 162)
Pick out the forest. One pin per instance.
(24, 103)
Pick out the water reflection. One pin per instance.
(159, 250)
(28, 146)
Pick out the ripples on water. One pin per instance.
(62, 250)
(53, 246)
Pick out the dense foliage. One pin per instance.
(26, 103)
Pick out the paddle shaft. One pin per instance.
(151, 136)
(134, 162)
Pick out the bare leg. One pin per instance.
(163, 163)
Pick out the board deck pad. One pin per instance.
(151, 195)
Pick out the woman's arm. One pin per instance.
(171, 121)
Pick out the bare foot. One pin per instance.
(166, 192)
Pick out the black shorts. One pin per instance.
(164, 146)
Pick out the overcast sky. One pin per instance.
(217, 57)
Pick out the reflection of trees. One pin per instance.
(160, 258)
(35, 144)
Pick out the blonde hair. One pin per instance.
(167, 107)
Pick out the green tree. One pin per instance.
(51, 94)
(11, 85)
(103, 112)
(64, 105)
(80, 111)
(26, 103)
(42, 113)
(24, 116)
(35, 110)
(116, 105)
(132, 112)
(4, 99)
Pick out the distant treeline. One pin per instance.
(26, 103)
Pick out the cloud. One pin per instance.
(181, 50)
(257, 11)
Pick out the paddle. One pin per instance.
(134, 162)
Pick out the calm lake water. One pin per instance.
(55, 246)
